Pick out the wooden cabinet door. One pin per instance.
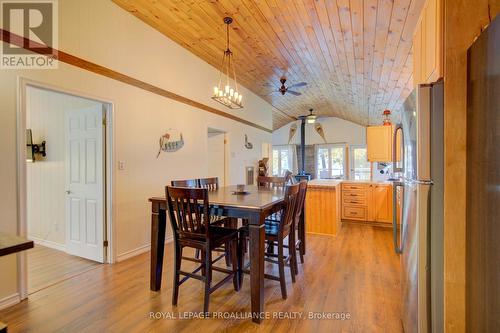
(379, 143)
(382, 203)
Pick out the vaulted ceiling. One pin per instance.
(355, 55)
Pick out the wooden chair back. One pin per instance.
(271, 182)
(301, 200)
(192, 183)
(289, 178)
(288, 215)
(211, 184)
(189, 211)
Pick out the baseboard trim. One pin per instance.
(47, 243)
(9, 301)
(139, 250)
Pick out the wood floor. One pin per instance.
(47, 266)
(356, 272)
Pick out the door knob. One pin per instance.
(68, 192)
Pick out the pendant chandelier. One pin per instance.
(224, 93)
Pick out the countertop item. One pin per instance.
(11, 244)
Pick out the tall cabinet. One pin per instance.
(428, 44)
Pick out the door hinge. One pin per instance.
(104, 122)
(105, 243)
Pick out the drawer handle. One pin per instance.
(354, 213)
(353, 202)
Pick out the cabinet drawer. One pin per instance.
(354, 187)
(354, 212)
(353, 195)
(354, 201)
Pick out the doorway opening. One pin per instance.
(65, 192)
(216, 148)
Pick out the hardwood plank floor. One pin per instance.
(355, 272)
(47, 266)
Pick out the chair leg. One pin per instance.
(270, 247)
(301, 251)
(177, 259)
(208, 278)
(227, 253)
(204, 267)
(281, 265)
(197, 254)
(241, 256)
(234, 262)
(293, 256)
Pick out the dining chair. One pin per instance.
(191, 183)
(289, 178)
(190, 220)
(276, 233)
(271, 182)
(299, 226)
(210, 184)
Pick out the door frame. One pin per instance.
(109, 178)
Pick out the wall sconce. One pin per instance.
(33, 149)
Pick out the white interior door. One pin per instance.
(84, 183)
(216, 156)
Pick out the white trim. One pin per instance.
(9, 301)
(47, 243)
(139, 250)
(22, 83)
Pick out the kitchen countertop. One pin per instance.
(324, 182)
(336, 182)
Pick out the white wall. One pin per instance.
(46, 183)
(335, 129)
(103, 33)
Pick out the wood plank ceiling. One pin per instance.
(355, 55)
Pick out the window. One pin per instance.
(284, 158)
(360, 167)
(331, 161)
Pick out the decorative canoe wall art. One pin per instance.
(293, 130)
(170, 142)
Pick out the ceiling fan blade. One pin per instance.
(272, 92)
(293, 92)
(300, 84)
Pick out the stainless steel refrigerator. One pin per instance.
(419, 237)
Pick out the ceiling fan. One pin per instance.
(310, 118)
(286, 89)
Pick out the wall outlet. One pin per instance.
(121, 165)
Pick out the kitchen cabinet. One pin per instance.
(323, 207)
(428, 44)
(367, 202)
(379, 143)
(381, 204)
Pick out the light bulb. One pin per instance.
(216, 91)
(311, 120)
(231, 92)
(220, 93)
(236, 95)
(239, 98)
(227, 89)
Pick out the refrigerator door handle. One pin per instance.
(395, 148)
(397, 248)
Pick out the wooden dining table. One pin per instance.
(254, 206)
